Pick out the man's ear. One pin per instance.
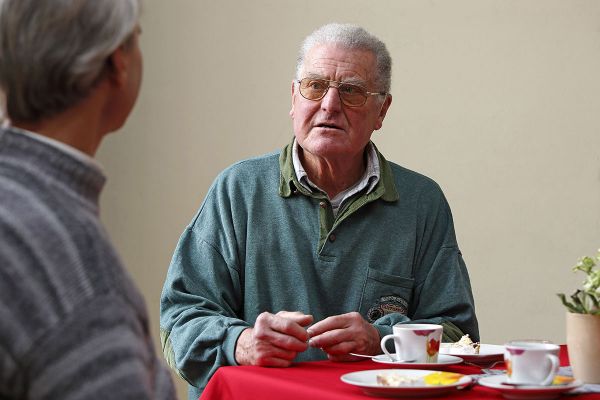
(384, 107)
(293, 94)
(117, 67)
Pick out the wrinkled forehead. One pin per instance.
(340, 63)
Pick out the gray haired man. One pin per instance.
(316, 251)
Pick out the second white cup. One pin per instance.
(530, 362)
(418, 343)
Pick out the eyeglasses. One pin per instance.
(351, 95)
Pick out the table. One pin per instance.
(321, 380)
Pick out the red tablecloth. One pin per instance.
(321, 380)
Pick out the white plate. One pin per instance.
(488, 353)
(533, 392)
(443, 359)
(367, 381)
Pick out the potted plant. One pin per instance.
(583, 322)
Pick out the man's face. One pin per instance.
(328, 128)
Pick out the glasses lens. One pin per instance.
(313, 89)
(352, 95)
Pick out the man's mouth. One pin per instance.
(326, 125)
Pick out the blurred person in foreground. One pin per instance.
(73, 325)
(325, 240)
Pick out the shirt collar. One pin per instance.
(368, 180)
(288, 181)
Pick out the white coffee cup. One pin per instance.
(419, 343)
(531, 362)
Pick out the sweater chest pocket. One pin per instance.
(384, 293)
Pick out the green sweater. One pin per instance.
(261, 242)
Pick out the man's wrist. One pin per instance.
(242, 347)
(376, 342)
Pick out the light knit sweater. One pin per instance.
(72, 323)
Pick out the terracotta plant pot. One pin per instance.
(583, 343)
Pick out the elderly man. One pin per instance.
(319, 250)
(73, 325)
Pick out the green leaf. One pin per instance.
(593, 300)
(585, 264)
(578, 302)
(569, 306)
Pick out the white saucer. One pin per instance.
(443, 359)
(367, 381)
(533, 392)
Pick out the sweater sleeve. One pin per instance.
(202, 297)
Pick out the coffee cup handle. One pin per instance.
(383, 347)
(555, 364)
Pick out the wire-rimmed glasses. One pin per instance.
(351, 95)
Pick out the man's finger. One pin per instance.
(288, 327)
(298, 317)
(328, 324)
(286, 342)
(329, 338)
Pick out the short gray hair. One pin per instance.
(351, 37)
(53, 52)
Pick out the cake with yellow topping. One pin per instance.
(433, 379)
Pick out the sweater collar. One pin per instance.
(62, 167)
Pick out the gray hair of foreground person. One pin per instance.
(52, 53)
(350, 37)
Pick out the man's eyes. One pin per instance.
(350, 89)
(317, 85)
(345, 88)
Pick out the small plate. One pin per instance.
(533, 392)
(367, 381)
(488, 353)
(443, 359)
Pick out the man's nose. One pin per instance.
(331, 100)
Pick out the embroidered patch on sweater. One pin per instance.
(387, 305)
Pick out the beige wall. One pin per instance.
(498, 101)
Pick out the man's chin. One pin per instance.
(323, 148)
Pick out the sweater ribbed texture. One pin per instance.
(72, 323)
